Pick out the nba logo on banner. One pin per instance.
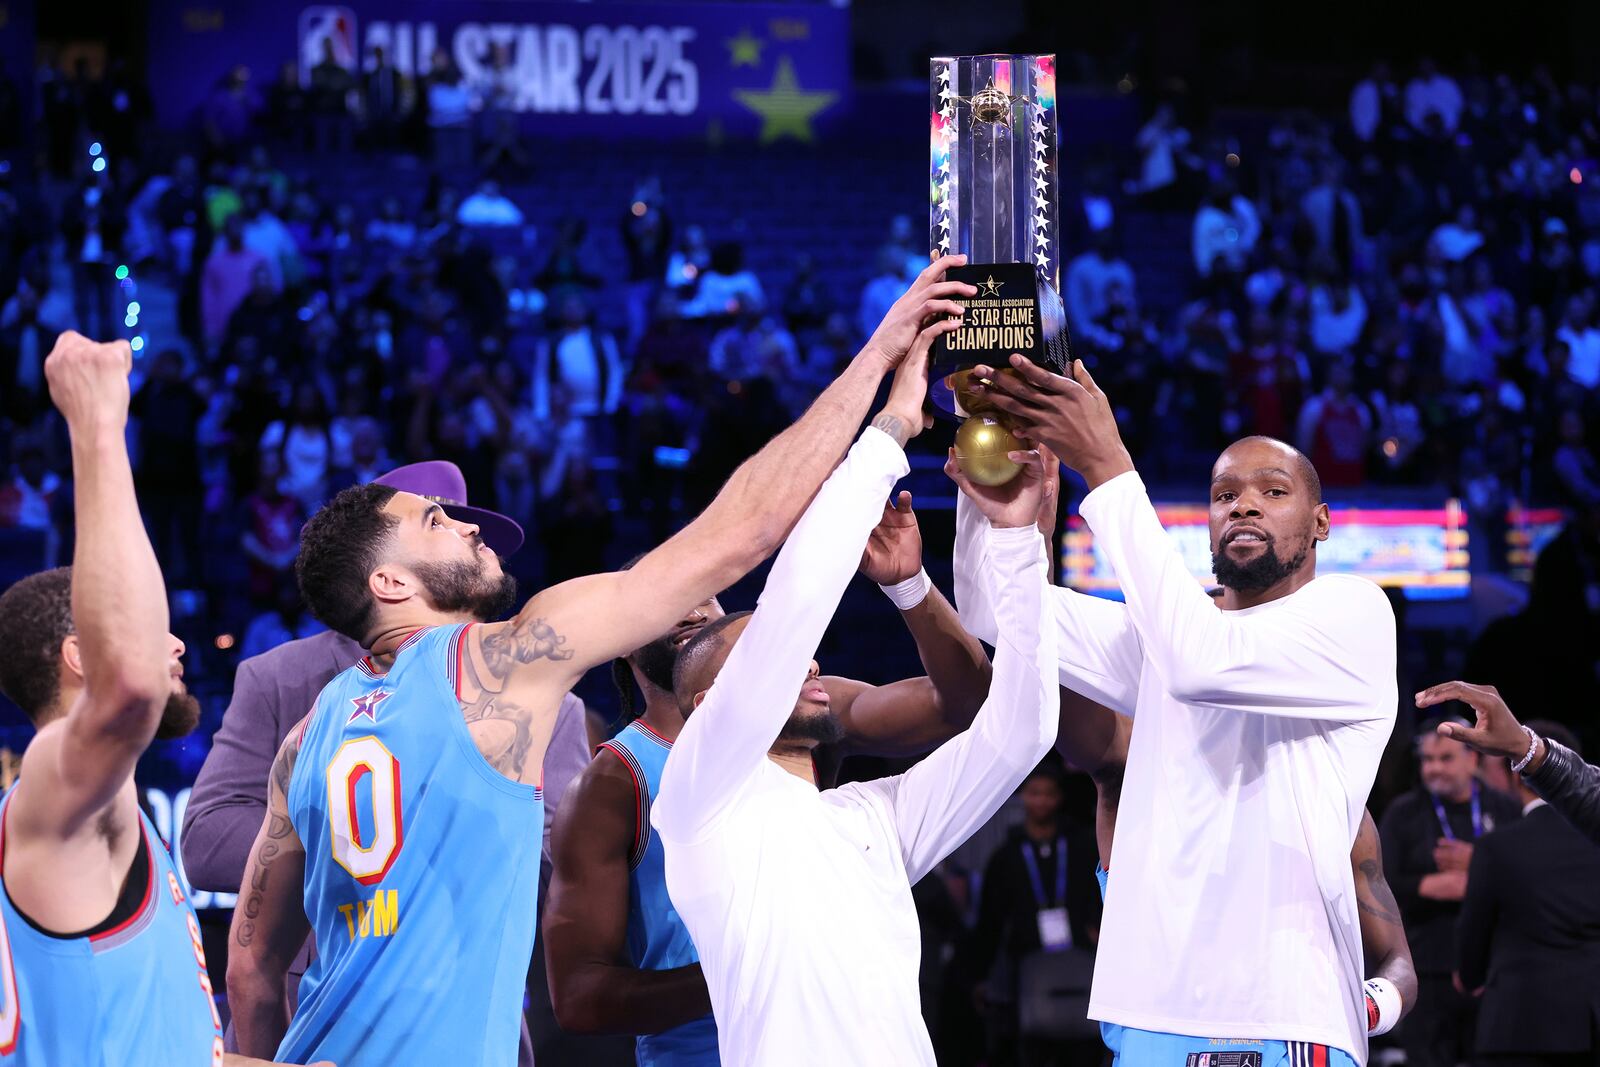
(335, 25)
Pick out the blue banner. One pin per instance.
(763, 71)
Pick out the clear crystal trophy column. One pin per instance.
(993, 198)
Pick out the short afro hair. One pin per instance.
(339, 549)
(706, 650)
(35, 617)
(1304, 467)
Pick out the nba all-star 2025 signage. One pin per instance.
(767, 71)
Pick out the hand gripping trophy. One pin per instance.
(993, 196)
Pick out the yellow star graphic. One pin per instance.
(744, 50)
(989, 287)
(785, 109)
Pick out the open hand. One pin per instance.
(1070, 416)
(894, 550)
(929, 296)
(1497, 733)
(1017, 502)
(89, 380)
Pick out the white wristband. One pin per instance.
(909, 593)
(1386, 999)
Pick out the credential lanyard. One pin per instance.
(1038, 883)
(1477, 815)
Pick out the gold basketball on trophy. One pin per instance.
(981, 446)
(968, 402)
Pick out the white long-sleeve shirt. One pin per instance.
(799, 901)
(1256, 737)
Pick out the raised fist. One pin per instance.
(89, 381)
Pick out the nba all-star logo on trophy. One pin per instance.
(994, 322)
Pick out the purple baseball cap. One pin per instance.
(441, 481)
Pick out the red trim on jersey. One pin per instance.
(1319, 1056)
(149, 888)
(8, 1045)
(411, 638)
(399, 829)
(641, 724)
(461, 652)
(354, 779)
(639, 832)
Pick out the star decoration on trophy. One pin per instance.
(992, 198)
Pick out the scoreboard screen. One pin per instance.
(1422, 551)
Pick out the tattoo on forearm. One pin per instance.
(279, 827)
(283, 768)
(1382, 906)
(893, 426)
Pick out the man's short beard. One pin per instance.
(1256, 575)
(655, 661)
(822, 728)
(458, 586)
(179, 717)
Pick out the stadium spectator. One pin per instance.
(1429, 837)
(1089, 276)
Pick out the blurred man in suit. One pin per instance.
(1529, 936)
(1429, 835)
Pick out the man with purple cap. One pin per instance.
(273, 691)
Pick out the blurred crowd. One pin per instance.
(1409, 291)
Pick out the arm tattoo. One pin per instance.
(1383, 906)
(279, 826)
(522, 641)
(484, 697)
(283, 767)
(891, 425)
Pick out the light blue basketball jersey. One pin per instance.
(657, 939)
(136, 995)
(1142, 1047)
(422, 872)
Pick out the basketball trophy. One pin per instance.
(994, 200)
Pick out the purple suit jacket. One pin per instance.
(271, 693)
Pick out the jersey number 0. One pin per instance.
(367, 849)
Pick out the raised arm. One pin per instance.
(269, 921)
(119, 607)
(1098, 648)
(728, 735)
(594, 989)
(1383, 934)
(938, 803)
(1341, 634)
(911, 716)
(600, 617)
